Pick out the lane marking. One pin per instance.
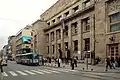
(52, 71)
(22, 73)
(4, 74)
(13, 73)
(37, 72)
(71, 70)
(59, 70)
(44, 71)
(29, 72)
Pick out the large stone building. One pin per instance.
(83, 25)
(39, 37)
(12, 46)
(24, 40)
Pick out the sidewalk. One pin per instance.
(82, 67)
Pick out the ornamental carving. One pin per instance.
(114, 5)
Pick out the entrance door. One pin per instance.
(114, 51)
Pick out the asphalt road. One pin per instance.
(22, 72)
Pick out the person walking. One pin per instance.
(75, 61)
(1, 60)
(59, 61)
(108, 61)
(113, 62)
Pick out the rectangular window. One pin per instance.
(76, 45)
(115, 22)
(58, 34)
(47, 36)
(66, 45)
(59, 17)
(52, 36)
(74, 28)
(76, 8)
(48, 23)
(86, 3)
(86, 24)
(53, 21)
(87, 44)
(115, 17)
(67, 14)
(53, 50)
(66, 31)
(48, 49)
(59, 46)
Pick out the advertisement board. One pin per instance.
(26, 39)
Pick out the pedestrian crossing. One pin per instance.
(37, 72)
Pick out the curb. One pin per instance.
(91, 70)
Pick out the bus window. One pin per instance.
(35, 56)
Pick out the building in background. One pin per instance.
(11, 47)
(24, 40)
(39, 37)
(5, 51)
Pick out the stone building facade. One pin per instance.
(83, 25)
(12, 46)
(39, 37)
(24, 40)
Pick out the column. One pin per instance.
(70, 46)
(92, 35)
(55, 55)
(80, 40)
(62, 42)
(50, 46)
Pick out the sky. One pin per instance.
(16, 14)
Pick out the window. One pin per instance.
(53, 50)
(48, 49)
(74, 28)
(53, 21)
(47, 36)
(59, 17)
(66, 31)
(86, 4)
(66, 45)
(86, 24)
(48, 23)
(58, 34)
(76, 8)
(67, 13)
(76, 45)
(115, 22)
(31, 33)
(87, 44)
(59, 46)
(52, 36)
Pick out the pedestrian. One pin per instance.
(1, 60)
(113, 62)
(108, 63)
(75, 61)
(59, 61)
(72, 63)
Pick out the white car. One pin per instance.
(4, 63)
